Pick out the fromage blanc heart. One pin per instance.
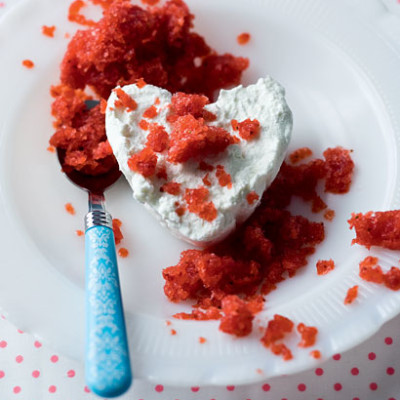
(199, 168)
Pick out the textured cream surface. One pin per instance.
(252, 164)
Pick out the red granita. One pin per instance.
(325, 266)
(28, 64)
(351, 295)
(51, 149)
(243, 38)
(237, 319)
(197, 203)
(79, 232)
(124, 100)
(270, 246)
(162, 172)
(157, 139)
(150, 2)
(103, 106)
(329, 215)
(277, 329)
(391, 279)
(119, 50)
(315, 354)
(377, 229)
(74, 14)
(308, 335)
(249, 129)
(206, 180)
(252, 197)
(185, 104)
(69, 208)
(202, 340)
(180, 210)
(123, 252)
(370, 270)
(173, 188)
(203, 166)
(151, 112)
(339, 170)
(118, 236)
(173, 332)
(192, 138)
(143, 124)
(48, 30)
(144, 162)
(280, 349)
(212, 313)
(140, 83)
(224, 179)
(300, 154)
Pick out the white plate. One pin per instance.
(342, 84)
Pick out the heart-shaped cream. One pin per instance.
(199, 178)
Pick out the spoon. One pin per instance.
(107, 365)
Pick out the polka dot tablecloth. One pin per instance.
(371, 371)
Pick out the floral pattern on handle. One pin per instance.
(108, 371)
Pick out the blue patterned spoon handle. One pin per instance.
(107, 366)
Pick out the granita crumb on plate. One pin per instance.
(243, 38)
(118, 236)
(69, 208)
(370, 271)
(351, 295)
(381, 228)
(300, 154)
(308, 335)
(325, 266)
(48, 30)
(123, 252)
(92, 62)
(28, 64)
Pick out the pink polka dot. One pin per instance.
(86, 389)
(195, 389)
(301, 387)
(2, 374)
(373, 386)
(388, 340)
(319, 371)
(19, 359)
(52, 389)
(2, 5)
(390, 371)
(36, 373)
(231, 388)
(337, 386)
(54, 358)
(355, 371)
(337, 357)
(19, 331)
(392, 398)
(372, 356)
(159, 388)
(71, 373)
(16, 389)
(266, 387)
(3, 344)
(356, 398)
(37, 344)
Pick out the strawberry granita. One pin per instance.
(155, 45)
(370, 271)
(377, 229)
(300, 154)
(270, 246)
(325, 266)
(308, 335)
(351, 295)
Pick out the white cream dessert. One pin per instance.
(252, 164)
